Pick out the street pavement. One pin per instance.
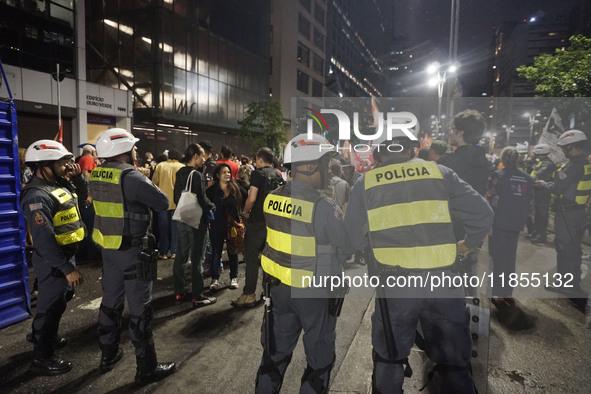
(217, 348)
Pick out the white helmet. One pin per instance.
(521, 148)
(570, 137)
(542, 149)
(300, 149)
(114, 142)
(46, 150)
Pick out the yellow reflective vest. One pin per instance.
(408, 215)
(107, 198)
(583, 186)
(291, 250)
(67, 224)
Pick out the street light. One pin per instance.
(509, 130)
(439, 77)
(532, 122)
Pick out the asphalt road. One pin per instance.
(218, 349)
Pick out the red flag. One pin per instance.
(59, 137)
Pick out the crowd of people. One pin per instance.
(303, 217)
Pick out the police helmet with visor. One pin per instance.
(46, 151)
(542, 149)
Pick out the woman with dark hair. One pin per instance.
(228, 199)
(192, 240)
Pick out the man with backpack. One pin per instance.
(263, 180)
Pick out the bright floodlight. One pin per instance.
(434, 81)
(532, 19)
(526, 115)
(433, 68)
(452, 69)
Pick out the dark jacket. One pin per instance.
(510, 195)
(197, 188)
(471, 165)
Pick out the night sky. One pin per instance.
(423, 21)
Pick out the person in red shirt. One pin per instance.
(88, 160)
(227, 159)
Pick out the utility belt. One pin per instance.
(146, 268)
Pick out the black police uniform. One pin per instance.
(319, 221)
(544, 170)
(510, 195)
(569, 221)
(52, 261)
(121, 277)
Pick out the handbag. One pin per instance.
(188, 209)
(235, 236)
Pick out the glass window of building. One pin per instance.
(318, 39)
(303, 26)
(319, 13)
(318, 64)
(303, 82)
(316, 88)
(303, 54)
(307, 4)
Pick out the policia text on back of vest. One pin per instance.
(409, 219)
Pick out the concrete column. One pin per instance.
(79, 124)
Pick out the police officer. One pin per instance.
(297, 215)
(122, 198)
(50, 207)
(571, 188)
(510, 196)
(402, 210)
(543, 170)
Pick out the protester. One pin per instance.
(262, 181)
(192, 240)
(165, 177)
(210, 162)
(437, 149)
(543, 170)
(228, 198)
(227, 159)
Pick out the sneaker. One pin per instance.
(172, 256)
(538, 240)
(216, 285)
(181, 297)
(245, 301)
(162, 257)
(234, 283)
(203, 301)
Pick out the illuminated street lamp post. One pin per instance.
(509, 130)
(532, 121)
(439, 78)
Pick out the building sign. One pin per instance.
(105, 100)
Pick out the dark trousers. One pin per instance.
(254, 243)
(291, 315)
(51, 304)
(502, 246)
(191, 242)
(445, 325)
(542, 205)
(120, 283)
(87, 248)
(568, 226)
(167, 232)
(217, 237)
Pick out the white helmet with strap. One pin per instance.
(114, 142)
(521, 148)
(570, 137)
(542, 149)
(300, 149)
(46, 150)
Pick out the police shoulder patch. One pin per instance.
(562, 175)
(39, 219)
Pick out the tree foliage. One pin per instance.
(263, 125)
(564, 73)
